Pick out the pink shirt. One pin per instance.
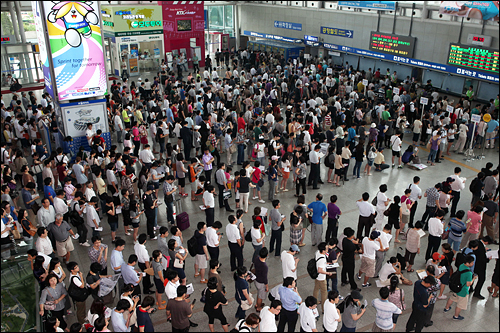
(68, 189)
(475, 222)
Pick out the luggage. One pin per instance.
(182, 221)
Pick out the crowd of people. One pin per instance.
(282, 120)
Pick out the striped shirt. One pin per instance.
(457, 227)
(385, 310)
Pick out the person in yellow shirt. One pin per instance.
(126, 118)
(380, 161)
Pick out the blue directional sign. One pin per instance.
(310, 38)
(288, 25)
(337, 32)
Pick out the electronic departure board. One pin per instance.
(473, 57)
(392, 44)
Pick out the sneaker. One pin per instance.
(155, 237)
(85, 244)
(443, 297)
(458, 318)
(255, 198)
(393, 165)
(366, 285)
(358, 277)
(447, 309)
(341, 298)
(400, 167)
(262, 201)
(128, 234)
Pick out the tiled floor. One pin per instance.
(481, 315)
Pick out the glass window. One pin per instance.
(228, 17)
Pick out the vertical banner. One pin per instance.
(134, 50)
(42, 46)
(76, 45)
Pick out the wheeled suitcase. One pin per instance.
(182, 221)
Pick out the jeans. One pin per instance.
(432, 156)
(347, 329)
(276, 236)
(241, 154)
(240, 313)
(256, 250)
(357, 169)
(333, 280)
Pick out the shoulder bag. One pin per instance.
(49, 305)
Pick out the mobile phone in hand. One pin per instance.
(194, 302)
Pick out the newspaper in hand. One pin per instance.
(107, 285)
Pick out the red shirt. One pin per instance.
(241, 123)
(453, 118)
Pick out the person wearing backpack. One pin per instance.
(76, 279)
(476, 187)
(248, 324)
(460, 282)
(321, 273)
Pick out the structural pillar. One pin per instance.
(237, 25)
(13, 18)
(24, 57)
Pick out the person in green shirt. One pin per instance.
(475, 110)
(257, 131)
(126, 118)
(386, 115)
(470, 93)
(388, 94)
(466, 280)
(497, 102)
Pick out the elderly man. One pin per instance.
(61, 231)
(46, 214)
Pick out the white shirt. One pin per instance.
(416, 192)
(267, 321)
(435, 227)
(171, 289)
(142, 253)
(287, 264)
(118, 123)
(307, 319)
(208, 198)
(365, 208)
(313, 157)
(92, 215)
(385, 271)
(89, 193)
(458, 184)
(146, 156)
(43, 246)
(381, 199)
(60, 206)
(212, 238)
(256, 234)
(395, 143)
(369, 248)
(330, 316)
(89, 134)
(233, 233)
(320, 263)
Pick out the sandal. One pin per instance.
(410, 270)
(197, 274)
(494, 296)
(490, 290)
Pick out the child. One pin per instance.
(412, 245)
(257, 217)
(197, 139)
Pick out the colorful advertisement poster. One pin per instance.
(480, 10)
(76, 46)
(78, 115)
(134, 66)
(134, 50)
(44, 61)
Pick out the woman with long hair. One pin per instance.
(397, 297)
(242, 291)
(135, 214)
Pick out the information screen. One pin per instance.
(472, 57)
(392, 44)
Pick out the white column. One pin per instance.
(237, 24)
(13, 18)
(24, 57)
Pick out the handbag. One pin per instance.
(245, 305)
(260, 183)
(387, 212)
(30, 231)
(49, 305)
(177, 263)
(446, 233)
(15, 234)
(35, 207)
(375, 200)
(227, 194)
(232, 149)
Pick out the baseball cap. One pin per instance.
(356, 295)
(437, 256)
(450, 180)
(139, 79)
(294, 248)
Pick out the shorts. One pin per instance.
(455, 244)
(156, 185)
(113, 226)
(135, 225)
(181, 182)
(194, 185)
(394, 223)
(180, 272)
(445, 279)
(396, 153)
(221, 317)
(367, 266)
(461, 301)
(256, 186)
(395, 317)
(261, 290)
(410, 257)
(370, 161)
(339, 172)
(201, 261)
(64, 247)
(405, 218)
(286, 175)
(160, 288)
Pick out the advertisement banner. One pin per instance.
(480, 10)
(77, 115)
(134, 66)
(75, 39)
(375, 5)
(134, 50)
(42, 47)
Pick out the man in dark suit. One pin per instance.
(480, 266)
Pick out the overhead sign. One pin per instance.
(375, 5)
(476, 58)
(482, 10)
(393, 44)
(310, 38)
(76, 48)
(336, 32)
(414, 62)
(288, 25)
(269, 36)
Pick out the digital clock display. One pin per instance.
(392, 44)
(476, 58)
(478, 39)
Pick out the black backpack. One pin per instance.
(74, 218)
(342, 305)
(311, 268)
(455, 284)
(473, 185)
(460, 259)
(76, 293)
(192, 245)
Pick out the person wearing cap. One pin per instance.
(432, 205)
(435, 232)
(353, 311)
(369, 246)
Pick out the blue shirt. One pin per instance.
(351, 134)
(289, 298)
(170, 116)
(48, 190)
(318, 209)
(183, 95)
(129, 275)
(492, 124)
(26, 197)
(144, 320)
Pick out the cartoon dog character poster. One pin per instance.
(77, 17)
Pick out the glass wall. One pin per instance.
(220, 18)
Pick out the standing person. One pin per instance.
(209, 204)
(261, 281)
(61, 231)
(243, 185)
(98, 252)
(412, 246)
(456, 188)
(76, 278)
(385, 237)
(55, 292)
(396, 148)
(289, 262)
(132, 276)
(207, 161)
(306, 312)
(432, 205)
(277, 228)
(301, 172)
(354, 310)
(420, 303)
(382, 203)
(435, 231)
(473, 224)
(235, 243)
(415, 195)
(385, 312)
(289, 297)
(331, 316)
(214, 300)
(242, 291)
(457, 228)
(319, 212)
(143, 261)
(366, 214)
(202, 256)
(213, 240)
(117, 262)
(466, 280)
(158, 278)
(268, 316)
(221, 180)
(314, 174)
(369, 247)
(333, 218)
(150, 204)
(480, 266)
(272, 177)
(490, 217)
(144, 311)
(320, 281)
(349, 248)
